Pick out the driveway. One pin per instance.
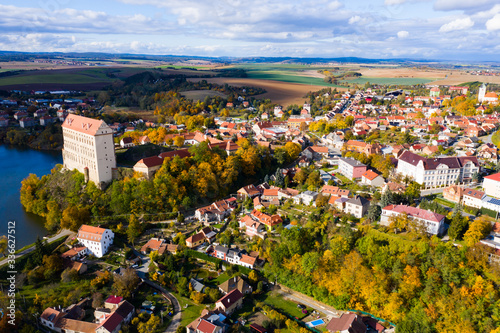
(318, 306)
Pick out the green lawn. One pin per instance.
(190, 313)
(278, 302)
(445, 202)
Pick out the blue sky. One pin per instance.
(430, 29)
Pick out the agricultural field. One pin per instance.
(199, 95)
(283, 93)
(389, 80)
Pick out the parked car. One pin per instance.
(301, 306)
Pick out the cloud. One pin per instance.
(458, 24)
(394, 2)
(354, 19)
(403, 34)
(468, 5)
(493, 23)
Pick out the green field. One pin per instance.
(80, 77)
(402, 81)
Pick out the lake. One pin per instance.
(15, 165)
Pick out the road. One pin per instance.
(62, 233)
(486, 139)
(142, 271)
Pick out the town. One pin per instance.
(185, 251)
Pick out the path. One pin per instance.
(142, 271)
(318, 306)
(64, 232)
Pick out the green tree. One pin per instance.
(374, 212)
(413, 190)
(458, 224)
(387, 198)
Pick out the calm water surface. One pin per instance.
(15, 165)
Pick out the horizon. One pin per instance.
(441, 30)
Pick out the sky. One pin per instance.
(462, 30)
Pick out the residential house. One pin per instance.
(347, 323)
(351, 168)
(195, 240)
(316, 152)
(252, 227)
(357, 206)
(230, 302)
(248, 261)
(270, 194)
(453, 193)
(247, 191)
(297, 123)
(209, 322)
(154, 244)
(235, 283)
(217, 211)
(371, 178)
(47, 120)
(306, 198)
(334, 191)
(491, 185)
(27, 122)
(144, 139)
(97, 240)
(433, 222)
(270, 221)
(75, 253)
(473, 198)
(126, 142)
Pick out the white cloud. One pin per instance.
(458, 24)
(403, 34)
(354, 19)
(493, 23)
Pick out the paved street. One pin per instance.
(64, 232)
(142, 271)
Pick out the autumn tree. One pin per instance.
(73, 217)
(478, 229)
(179, 141)
(134, 229)
(149, 326)
(126, 283)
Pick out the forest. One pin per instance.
(422, 285)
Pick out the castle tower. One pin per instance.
(482, 92)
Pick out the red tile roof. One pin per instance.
(114, 299)
(82, 124)
(415, 212)
(370, 175)
(91, 233)
(495, 177)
